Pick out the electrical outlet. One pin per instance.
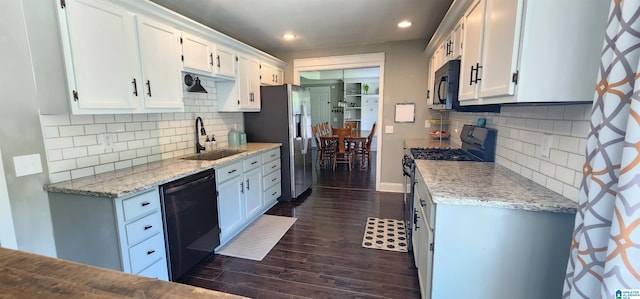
(107, 141)
(27, 164)
(388, 129)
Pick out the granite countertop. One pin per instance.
(131, 180)
(488, 184)
(427, 142)
(27, 275)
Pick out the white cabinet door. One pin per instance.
(279, 76)
(249, 83)
(456, 47)
(197, 54)
(267, 74)
(425, 265)
(161, 65)
(225, 62)
(253, 192)
(102, 72)
(500, 41)
(230, 205)
(471, 47)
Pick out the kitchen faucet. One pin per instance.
(199, 147)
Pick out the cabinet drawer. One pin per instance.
(139, 205)
(271, 155)
(271, 166)
(252, 162)
(271, 179)
(272, 193)
(228, 172)
(158, 271)
(143, 228)
(146, 253)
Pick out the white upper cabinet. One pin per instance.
(161, 65)
(243, 94)
(531, 51)
(101, 56)
(118, 62)
(203, 57)
(197, 54)
(270, 75)
(472, 37)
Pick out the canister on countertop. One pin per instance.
(243, 138)
(234, 138)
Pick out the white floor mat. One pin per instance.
(258, 238)
(386, 234)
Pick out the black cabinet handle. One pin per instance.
(211, 58)
(218, 59)
(231, 171)
(422, 203)
(241, 187)
(274, 179)
(274, 166)
(248, 188)
(274, 193)
(146, 203)
(148, 227)
(149, 87)
(135, 87)
(471, 76)
(254, 162)
(478, 68)
(150, 252)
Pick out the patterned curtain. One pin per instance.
(605, 251)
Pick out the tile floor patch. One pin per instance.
(386, 234)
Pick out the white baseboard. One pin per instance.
(391, 187)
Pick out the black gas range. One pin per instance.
(478, 145)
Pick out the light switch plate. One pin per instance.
(27, 164)
(388, 129)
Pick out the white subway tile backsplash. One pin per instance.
(520, 136)
(140, 117)
(88, 161)
(85, 140)
(95, 129)
(126, 155)
(116, 127)
(81, 120)
(68, 131)
(50, 132)
(139, 161)
(76, 152)
(108, 158)
(95, 150)
(82, 172)
(104, 168)
(60, 176)
(120, 146)
(153, 117)
(565, 175)
(128, 136)
(58, 143)
(54, 155)
(123, 118)
(62, 165)
(133, 127)
(568, 144)
(104, 118)
(123, 164)
(135, 144)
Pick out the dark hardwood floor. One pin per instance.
(321, 256)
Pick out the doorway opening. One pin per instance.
(346, 91)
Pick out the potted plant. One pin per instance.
(366, 88)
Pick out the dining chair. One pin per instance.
(366, 151)
(343, 152)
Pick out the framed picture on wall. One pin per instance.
(405, 113)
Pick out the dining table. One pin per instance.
(357, 139)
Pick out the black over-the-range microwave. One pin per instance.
(446, 88)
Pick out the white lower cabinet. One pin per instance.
(242, 195)
(481, 251)
(272, 177)
(124, 234)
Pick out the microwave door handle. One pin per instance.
(440, 99)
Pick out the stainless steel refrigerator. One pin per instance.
(285, 117)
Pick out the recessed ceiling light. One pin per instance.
(288, 36)
(404, 24)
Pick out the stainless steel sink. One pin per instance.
(214, 155)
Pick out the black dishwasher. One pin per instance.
(190, 211)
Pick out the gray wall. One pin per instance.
(405, 80)
(20, 133)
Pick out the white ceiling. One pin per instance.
(317, 23)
